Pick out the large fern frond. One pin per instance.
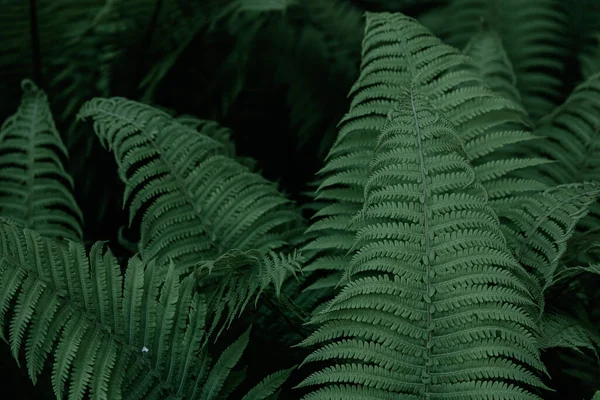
(397, 49)
(195, 203)
(436, 309)
(35, 190)
(141, 337)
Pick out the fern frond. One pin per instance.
(141, 337)
(195, 203)
(489, 56)
(35, 190)
(535, 36)
(397, 50)
(268, 386)
(560, 330)
(570, 137)
(100, 329)
(538, 226)
(241, 276)
(436, 309)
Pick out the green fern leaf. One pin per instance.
(436, 309)
(539, 226)
(100, 330)
(35, 190)
(223, 366)
(240, 276)
(488, 54)
(534, 34)
(570, 137)
(397, 50)
(561, 330)
(195, 203)
(268, 386)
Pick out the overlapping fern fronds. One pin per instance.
(137, 337)
(538, 226)
(74, 300)
(241, 276)
(398, 49)
(436, 308)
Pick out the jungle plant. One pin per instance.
(447, 249)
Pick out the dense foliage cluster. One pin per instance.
(300, 199)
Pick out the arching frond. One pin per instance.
(195, 203)
(35, 190)
(436, 308)
(571, 137)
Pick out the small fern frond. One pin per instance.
(195, 203)
(35, 189)
(560, 330)
(535, 36)
(100, 329)
(487, 52)
(218, 374)
(571, 137)
(397, 50)
(538, 226)
(436, 309)
(241, 276)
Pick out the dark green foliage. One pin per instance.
(285, 199)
